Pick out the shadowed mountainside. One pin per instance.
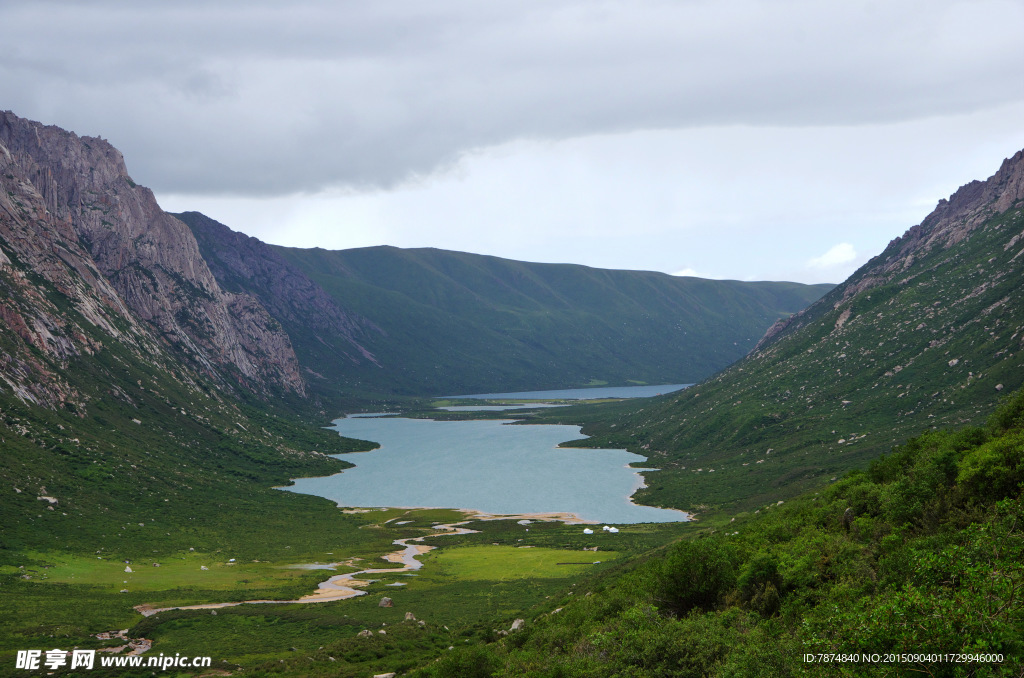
(434, 322)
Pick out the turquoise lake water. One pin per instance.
(489, 466)
(582, 393)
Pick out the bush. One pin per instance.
(1009, 414)
(759, 584)
(994, 470)
(694, 575)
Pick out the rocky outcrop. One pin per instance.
(243, 264)
(70, 204)
(54, 302)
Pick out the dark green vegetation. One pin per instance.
(923, 553)
(435, 323)
(925, 335)
(464, 323)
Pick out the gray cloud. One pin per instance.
(261, 98)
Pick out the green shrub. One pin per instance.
(994, 470)
(695, 575)
(1009, 414)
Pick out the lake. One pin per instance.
(581, 393)
(488, 466)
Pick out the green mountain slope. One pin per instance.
(453, 322)
(925, 335)
(912, 568)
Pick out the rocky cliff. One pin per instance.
(71, 217)
(243, 264)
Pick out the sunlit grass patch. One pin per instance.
(502, 563)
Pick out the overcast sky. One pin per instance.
(739, 139)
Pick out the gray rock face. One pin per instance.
(240, 262)
(70, 212)
(386, 602)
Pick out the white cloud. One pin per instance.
(689, 272)
(843, 253)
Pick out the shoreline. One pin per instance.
(568, 517)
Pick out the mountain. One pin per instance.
(434, 322)
(88, 257)
(927, 334)
(325, 333)
(140, 368)
(131, 383)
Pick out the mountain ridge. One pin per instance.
(462, 322)
(926, 334)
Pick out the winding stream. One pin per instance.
(342, 586)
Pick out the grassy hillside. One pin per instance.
(930, 343)
(461, 323)
(885, 571)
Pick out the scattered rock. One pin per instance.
(382, 632)
(385, 675)
(386, 602)
(999, 387)
(366, 633)
(847, 518)
(517, 625)
(409, 616)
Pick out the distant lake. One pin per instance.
(490, 466)
(496, 408)
(581, 393)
